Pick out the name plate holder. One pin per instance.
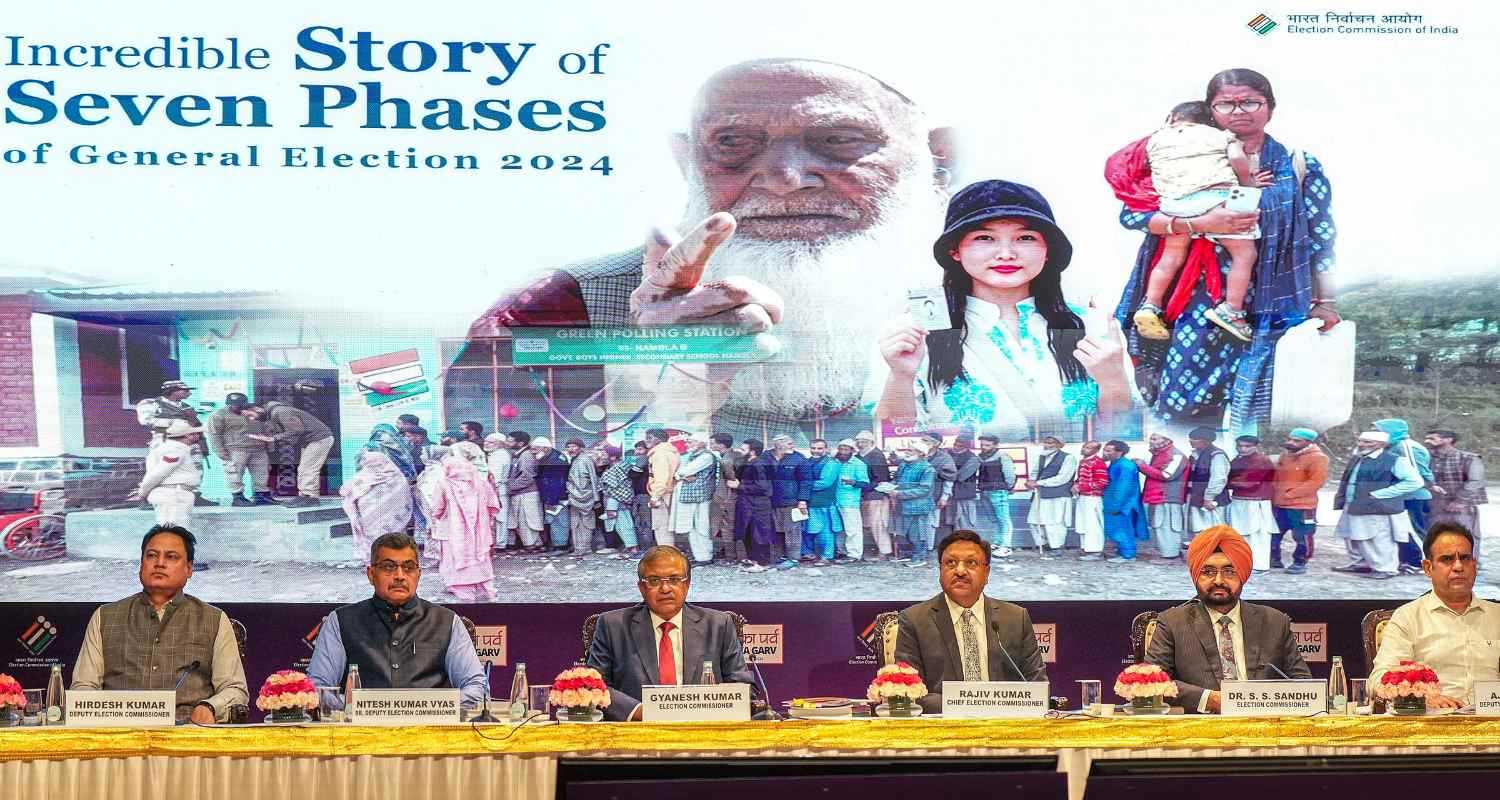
(1487, 698)
(724, 702)
(103, 708)
(396, 707)
(1294, 698)
(995, 699)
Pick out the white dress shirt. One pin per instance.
(1237, 633)
(957, 611)
(1460, 648)
(676, 635)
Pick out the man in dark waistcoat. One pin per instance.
(398, 640)
(1370, 495)
(155, 638)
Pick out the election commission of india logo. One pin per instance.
(1262, 24)
(38, 636)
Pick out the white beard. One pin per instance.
(840, 295)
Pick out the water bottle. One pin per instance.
(708, 679)
(351, 683)
(1338, 688)
(520, 694)
(55, 701)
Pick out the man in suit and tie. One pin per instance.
(1216, 637)
(961, 635)
(662, 641)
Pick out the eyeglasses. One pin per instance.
(390, 567)
(655, 581)
(1230, 106)
(970, 564)
(1209, 573)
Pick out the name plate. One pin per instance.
(1487, 698)
(994, 699)
(729, 702)
(88, 708)
(1273, 698)
(391, 707)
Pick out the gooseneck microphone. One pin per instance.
(184, 671)
(764, 692)
(484, 714)
(995, 636)
(1278, 671)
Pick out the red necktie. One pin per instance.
(665, 661)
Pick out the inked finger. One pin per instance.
(658, 241)
(683, 264)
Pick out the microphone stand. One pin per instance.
(764, 692)
(484, 712)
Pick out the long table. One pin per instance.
(338, 761)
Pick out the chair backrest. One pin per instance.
(1371, 628)
(1142, 628)
(472, 629)
(588, 633)
(887, 626)
(592, 623)
(239, 635)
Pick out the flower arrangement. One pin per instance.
(11, 695)
(897, 684)
(1409, 679)
(286, 690)
(579, 688)
(1144, 682)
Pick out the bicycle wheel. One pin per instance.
(34, 538)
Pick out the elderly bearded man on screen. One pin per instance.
(809, 185)
(1216, 637)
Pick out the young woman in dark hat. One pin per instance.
(1017, 356)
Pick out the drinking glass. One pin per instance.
(330, 704)
(1359, 700)
(539, 699)
(35, 712)
(1092, 692)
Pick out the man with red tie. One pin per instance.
(662, 641)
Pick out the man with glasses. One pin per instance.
(398, 640)
(1448, 629)
(1222, 638)
(662, 641)
(962, 635)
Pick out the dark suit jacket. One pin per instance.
(1186, 645)
(926, 640)
(624, 652)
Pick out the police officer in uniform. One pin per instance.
(228, 433)
(172, 475)
(155, 414)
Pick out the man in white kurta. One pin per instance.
(498, 457)
(1252, 483)
(1450, 630)
(695, 481)
(1374, 517)
(1052, 497)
